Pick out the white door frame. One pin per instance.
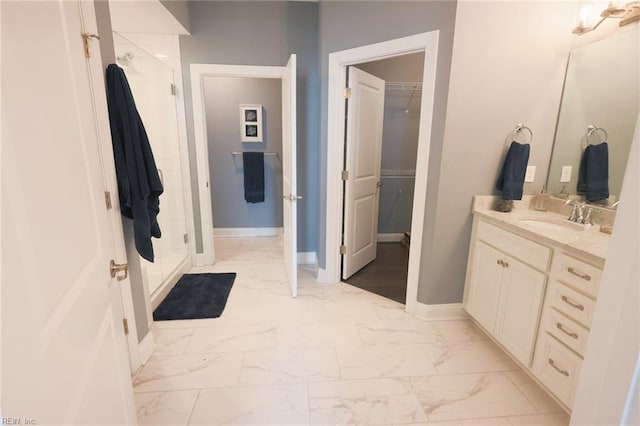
(338, 62)
(198, 73)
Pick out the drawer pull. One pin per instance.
(578, 306)
(555, 367)
(500, 262)
(565, 331)
(585, 277)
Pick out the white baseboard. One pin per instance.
(390, 238)
(307, 258)
(447, 311)
(323, 277)
(247, 232)
(146, 347)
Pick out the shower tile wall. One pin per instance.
(150, 74)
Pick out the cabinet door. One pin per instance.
(484, 285)
(519, 312)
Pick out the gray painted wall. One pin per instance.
(223, 95)
(263, 33)
(399, 139)
(348, 24)
(180, 10)
(495, 84)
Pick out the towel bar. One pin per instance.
(519, 128)
(591, 129)
(266, 153)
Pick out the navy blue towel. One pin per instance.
(593, 176)
(511, 178)
(253, 163)
(139, 184)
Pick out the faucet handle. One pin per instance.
(588, 219)
(575, 213)
(580, 218)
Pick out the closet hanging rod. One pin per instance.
(403, 85)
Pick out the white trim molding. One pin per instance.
(390, 237)
(307, 258)
(247, 232)
(146, 347)
(338, 63)
(198, 73)
(447, 311)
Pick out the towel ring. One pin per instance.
(519, 128)
(591, 129)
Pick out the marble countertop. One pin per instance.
(584, 241)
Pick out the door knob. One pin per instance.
(115, 268)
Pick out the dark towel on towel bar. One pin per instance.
(593, 176)
(253, 163)
(511, 178)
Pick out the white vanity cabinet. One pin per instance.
(535, 298)
(566, 319)
(503, 293)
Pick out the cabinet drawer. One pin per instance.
(571, 303)
(525, 250)
(577, 274)
(567, 331)
(557, 367)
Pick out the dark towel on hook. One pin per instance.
(593, 176)
(511, 178)
(139, 184)
(253, 163)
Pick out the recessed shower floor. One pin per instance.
(334, 355)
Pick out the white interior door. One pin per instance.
(289, 179)
(365, 115)
(64, 358)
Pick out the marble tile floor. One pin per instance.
(334, 355)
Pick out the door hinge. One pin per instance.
(185, 237)
(107, 200)
(343, 249)
(345, 175)
(347, 92)
(85, 39)
(174, 90)
(125, 325)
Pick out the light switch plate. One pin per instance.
(531, 174)
(565, 176)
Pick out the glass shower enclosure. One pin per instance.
(152, 83)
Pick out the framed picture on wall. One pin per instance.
(250, 123)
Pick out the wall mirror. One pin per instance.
(602, 89)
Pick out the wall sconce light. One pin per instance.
(627, 13)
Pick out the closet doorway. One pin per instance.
(336, 112)
(383, 120)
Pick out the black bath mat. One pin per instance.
(196, 296)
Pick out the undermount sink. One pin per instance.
(551, 224)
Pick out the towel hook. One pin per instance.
(518, 130)
(591, 129)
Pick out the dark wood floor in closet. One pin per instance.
(387, 275)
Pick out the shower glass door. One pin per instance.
(151, 82)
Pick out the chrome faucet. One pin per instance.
(576, 212)
(587, 219)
